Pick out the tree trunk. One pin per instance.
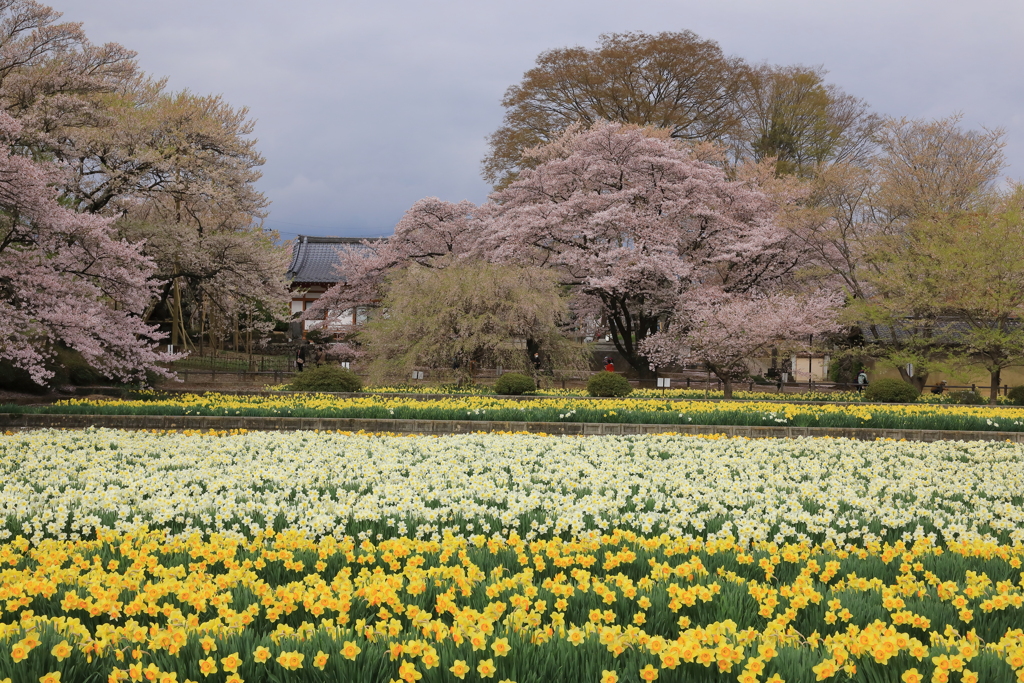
(726, 387)
(202, 325)
(627, 332)
(628, 350)
(917, 381)
(175, 315)
(993, 394)
(161, 301)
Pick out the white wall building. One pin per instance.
(314, 269)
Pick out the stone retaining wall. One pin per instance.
(17, 422)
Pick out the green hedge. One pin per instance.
(514, 384)
(607, 383)
(891, 391)
(327, 378)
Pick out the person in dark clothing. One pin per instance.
(536, 361)
(862, 381)
(939, 388)
(300, 357)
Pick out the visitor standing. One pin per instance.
(862, 381)
(609, 365)
(300, 357)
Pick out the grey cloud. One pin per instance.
(365, 107)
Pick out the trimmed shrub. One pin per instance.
(607, 383)
(891, 391)
(1016, 396)
(514, 384)
(967, 398)
(327, 378)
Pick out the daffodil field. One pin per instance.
(762, 392)
(327, 557)
(555, 409)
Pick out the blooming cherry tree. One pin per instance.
(65, 278)
(635, 223)
(723, 330)
(648, 237)
(430, 231)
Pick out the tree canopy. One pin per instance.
(688, 87)
(677, 81)
(790, 114)
(175, 171)
(466, 316)
(66, 279)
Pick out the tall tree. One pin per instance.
(792, 115)
(467, 315)
(724, 331)
(964, 274)
(200, 214)
(855, 213)
(633, 223)
(178, 170)
(672, 80)
(66, 279)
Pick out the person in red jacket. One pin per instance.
(609, 365)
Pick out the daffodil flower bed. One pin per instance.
(169, 557)
(616, 607)
(740, 394)
(628, 410)
(766, 394)
(67, 484)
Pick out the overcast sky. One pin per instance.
(363, 107)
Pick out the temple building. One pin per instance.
(315, 268)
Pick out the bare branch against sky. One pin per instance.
(365, 107)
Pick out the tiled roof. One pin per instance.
(315, 259)
(941, 331)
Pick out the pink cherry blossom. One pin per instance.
(66, 279)
(723, 331)
(635, 223)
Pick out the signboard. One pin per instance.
(664, 382)
(417, 374)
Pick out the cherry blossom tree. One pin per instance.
(429, 234)
(177, 169)
(723, 330)
(66, 280)
(634, 223)
(637, 227)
